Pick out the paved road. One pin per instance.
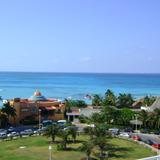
(149, 138)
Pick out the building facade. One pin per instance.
(36, 107)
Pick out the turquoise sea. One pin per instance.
(76, 85)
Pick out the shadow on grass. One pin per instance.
(72, 149)
(91, 158)
(77, 141)
(113, 149)
(69, 142)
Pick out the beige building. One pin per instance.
(36, 107)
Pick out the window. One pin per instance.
(34, 110)
(24, 110)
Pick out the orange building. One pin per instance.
(37, 106)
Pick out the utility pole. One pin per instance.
(136, 122)
(50, 152)
(39, 118)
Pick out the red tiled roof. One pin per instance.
(51, 108)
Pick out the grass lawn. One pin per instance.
(37, 149)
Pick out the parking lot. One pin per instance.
(24, 131)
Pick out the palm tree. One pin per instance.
(151, 120)
(89, 131)
(87, 147)
(73, 132)
(125, 116)
(97, 100)
(100, 130)
(64, 135)
(3, 119)
(143, 116)
(111, 114)
(102, 144)
(81, 104)
(110, 98)
(97, 131)
(52, 131)
(125, 100)
(97, 118)
(68, 105)
(157, 118)
(148, 101)
(9, 110)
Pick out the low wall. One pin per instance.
(56, 117)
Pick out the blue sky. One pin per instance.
(80, 35)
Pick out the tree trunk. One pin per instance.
(74, 139)
(88, 157)
(101, 154)
(53, 138)
(65, 144)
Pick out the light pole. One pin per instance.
(39, 118)
(136, 122)
(50, 152)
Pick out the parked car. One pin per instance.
(156, 145)
(61, 123)
(124, 134)
(136, 138)
(114, 131)
(71, 127)
(11, 129)
(41, 130)
(144, 131)
(91, 125)
(27, 132)
(130, 130)
(35, 131)
(157, 132)
(22, 133)
(54, 122)
(149, 142)
(3, 135)
(3, 131)
(13, 134)
(46, 123)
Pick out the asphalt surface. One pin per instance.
(149, 138)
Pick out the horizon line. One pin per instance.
(69, 72)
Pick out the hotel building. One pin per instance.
(36, 107)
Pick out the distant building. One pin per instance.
(86, 112)
(36, 106)
(155, 105)
(138, 103)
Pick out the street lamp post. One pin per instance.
(39, 119)
(50, 152)
(136, 122)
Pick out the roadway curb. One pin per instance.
(142, 143)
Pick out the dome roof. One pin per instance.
(37, 93)
(37, 96)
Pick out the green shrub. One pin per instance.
(59, 147)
